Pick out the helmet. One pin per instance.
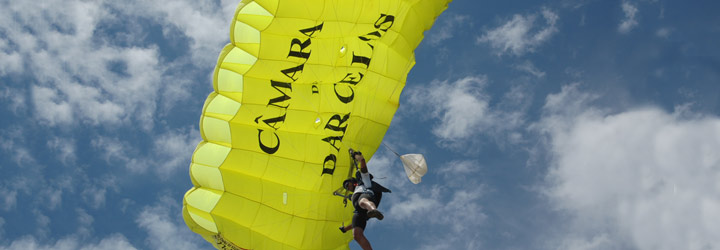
(349, 180)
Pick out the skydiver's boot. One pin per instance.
(375, 214)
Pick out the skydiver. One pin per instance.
(366, 198)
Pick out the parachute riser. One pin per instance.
(342, 192)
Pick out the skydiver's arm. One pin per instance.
(363, 166)
(346, 228)
(364, 174)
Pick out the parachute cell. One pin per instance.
(299, 84)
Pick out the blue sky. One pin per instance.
(567, 124)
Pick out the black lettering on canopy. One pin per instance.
(299, 53)
(299, 49)
(351, 78)
(267, 149)
(290, 72)
(362, 59)
(340, 127)
(385, 22)
(277, 85)
(332, 140)
(382, 24)
(272, 122)
(309, 32)
(367, 37)
(336, 123)
(344, 99)
(340, 121)
(330, 158)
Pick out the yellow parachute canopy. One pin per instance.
(301, 82)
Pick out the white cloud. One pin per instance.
(170, 152)
(459, 167)
(662, 12)
(164, 229)
(80, 240)
(10, 189)
(76, 70)
(42, 223)
(65, 148)
(663, 32)
(175, 149)
(2, 227)
(205, 22)
(382, 164)
(9, 199)
(50, 107)
(451, 214)
(11, 62)
(529, 67)
(112, 148)
(73, 81)
(85, 222)
(462, 110)
(54, 198)
(94, 192)
(457, 174)
(113, 242)
(118, 153)
(598, 242)
(46, 194)
(520, 35)
(642, 178)
(15, 97)
(94, 196)
(570, 102)
(413, 206)
(80, 74)
(447, 29)
(629, 22)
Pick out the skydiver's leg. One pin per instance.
(367, 204)
(360, 238)
(371, 208)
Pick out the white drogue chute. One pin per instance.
(415, 166)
